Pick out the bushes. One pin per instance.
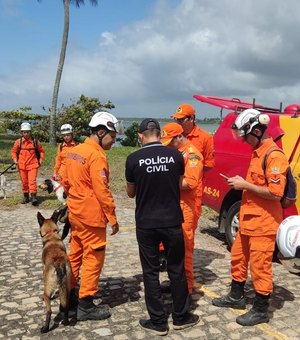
(78, 114)
(131, 138)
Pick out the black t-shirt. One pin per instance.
(155, 170)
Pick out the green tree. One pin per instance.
(11, 120)
(61, 62)
(78, 114)
(131, 134)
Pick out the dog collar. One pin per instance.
(59, 186)
(50, 232)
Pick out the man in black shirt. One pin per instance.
(153, 175)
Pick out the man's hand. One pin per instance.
(114, 229)
(237, 182)
(56, 177)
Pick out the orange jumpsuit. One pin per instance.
(193, 173)
(91, 207)
(259, 220)
(60, 161)
(27, 162)
(204, 142)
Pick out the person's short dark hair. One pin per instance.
(149, 124)
(95, 129)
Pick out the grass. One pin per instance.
(116, 158)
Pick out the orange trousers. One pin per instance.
(189, 244)
(188, 234)
(258, 252)
(198, 207)
(87, 251)
(28, 179)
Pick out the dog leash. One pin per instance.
(7, 169)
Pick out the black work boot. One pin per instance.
(34, 200)
(25, 198)
(234, 299)
(87, 310)
(257, 314)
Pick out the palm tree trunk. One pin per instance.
(59, 73)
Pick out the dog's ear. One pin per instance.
(66, 229)
(50, 186)
(40, 218)
(55, 216)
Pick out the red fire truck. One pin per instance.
(233, 156)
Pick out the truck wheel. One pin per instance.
(232, 223)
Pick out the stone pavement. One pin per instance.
(21, 287)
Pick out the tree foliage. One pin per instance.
(131, 134)
(78, 114)
(11, 120)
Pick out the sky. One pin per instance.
(149, 56)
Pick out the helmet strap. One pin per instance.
(262, 128)
(101, 137)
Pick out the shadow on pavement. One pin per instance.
(214, 232)
(202, 259)
(115, 291)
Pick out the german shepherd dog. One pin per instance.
(57, 270)
(51, 185)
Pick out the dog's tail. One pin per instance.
(63, 280)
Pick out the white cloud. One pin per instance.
(107, 39)
(220, 48)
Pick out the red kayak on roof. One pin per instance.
(230, 103)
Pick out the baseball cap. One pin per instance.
(184, 110)
(149, 124)
(169, 131)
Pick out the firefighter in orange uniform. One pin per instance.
(63, 148)
(28, 154)
(172, 136)
(203, 141)
(91, 207)
(260, 216)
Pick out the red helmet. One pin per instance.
(291, 109)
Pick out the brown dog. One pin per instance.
(57, 270)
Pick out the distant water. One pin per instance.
(208, 127)
(211, 128)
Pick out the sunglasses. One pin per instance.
(182, 120)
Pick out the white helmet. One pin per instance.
(66, 128)
(106, 119)
(288, 241)
(25, 127)
(247, 119)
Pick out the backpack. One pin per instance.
(36, 150)
(290, 190)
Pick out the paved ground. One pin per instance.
(21, 287)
